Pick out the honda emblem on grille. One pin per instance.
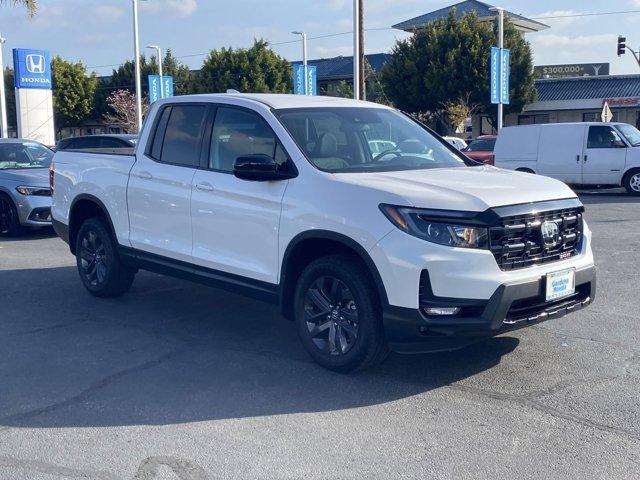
(551, 237)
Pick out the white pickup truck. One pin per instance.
(370, 231)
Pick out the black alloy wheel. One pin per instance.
(331, 315)
(9, 221)
(93, 258)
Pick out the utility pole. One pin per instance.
(356, 49)
(3, 98)
(136, 52)
(362, 61)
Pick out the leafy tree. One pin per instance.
(122, 106)
(257, 70)
(73, 92)
(31, 5)
(448, 61)
(10, 95)
(183, 80)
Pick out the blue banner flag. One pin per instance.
(299, 82)
(499, 82)
(155, 92)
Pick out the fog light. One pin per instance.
(441, 310)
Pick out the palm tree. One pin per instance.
(31, 5)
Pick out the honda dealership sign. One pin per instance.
(34, 98)
(32, 68)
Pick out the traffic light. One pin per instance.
(621, 45)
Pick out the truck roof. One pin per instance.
(278, 101)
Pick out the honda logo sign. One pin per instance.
(35, 63)
(32, 68)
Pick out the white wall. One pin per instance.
(34, 109)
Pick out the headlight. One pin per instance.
(418, 223)
(37, 191)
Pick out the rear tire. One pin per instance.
(9, 219)
(631, 181)
(101, 270)
(338, 314)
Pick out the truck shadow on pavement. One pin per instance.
(174, 352)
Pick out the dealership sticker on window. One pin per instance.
(561, 284)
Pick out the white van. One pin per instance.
(588, 153)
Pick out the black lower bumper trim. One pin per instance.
(511, 307)
(61, 230)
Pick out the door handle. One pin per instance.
(145, 175)
(585, 159)
(204, 187)
(578, 158)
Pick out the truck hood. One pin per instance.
(34, 177)
(466, 189)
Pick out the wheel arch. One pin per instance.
(86, 206)
(626, 174)
(311, 245)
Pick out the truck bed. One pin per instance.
(100, 175)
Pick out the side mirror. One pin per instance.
(260, 168)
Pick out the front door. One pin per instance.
(159, 193)
(236, 222)
(604, 156)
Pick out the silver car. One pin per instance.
(25, 196)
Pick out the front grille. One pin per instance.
(517, 242)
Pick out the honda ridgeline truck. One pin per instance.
(291, 199)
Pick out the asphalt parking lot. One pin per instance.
(175, 380)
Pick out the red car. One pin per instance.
(481, 149)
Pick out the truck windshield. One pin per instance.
(16, 155)
(631, 133)
(361, 139)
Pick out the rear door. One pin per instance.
(236, 222)
(604, 157)
(159, 192)
(560, 152)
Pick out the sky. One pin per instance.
(99, 32)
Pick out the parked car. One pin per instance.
(415, 248)
(90, 142)
(459, 143)
(25, 196)
(605, 154)
(481, 149)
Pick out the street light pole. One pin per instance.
(159, 57)
(304, 60)
(136, 50)
(3, 98)
(356, 49)
(500, 11)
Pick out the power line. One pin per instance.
(575, 15)
(319, 37)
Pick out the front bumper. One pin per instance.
(33, 210)
(512, 306)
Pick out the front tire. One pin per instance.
(101, 270)
(338, 314)
(632, 182)
(9, 219)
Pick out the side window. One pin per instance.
(236, 133)
(158, 135)
(603, 137)
(183, 135)
(83, 143)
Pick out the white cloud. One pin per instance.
(108, 12)
(557, 18)
(180, 8)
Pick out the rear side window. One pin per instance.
(183, 136)
(82, 143)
